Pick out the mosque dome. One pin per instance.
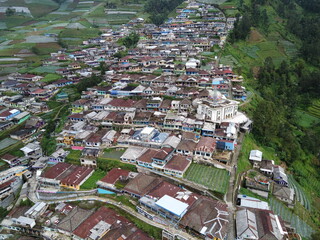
(215, 95)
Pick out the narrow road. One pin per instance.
(32, 187)
(129, 210)
(92, 9)
(57, 114)
(229, 197)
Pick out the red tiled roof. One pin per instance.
(114, 174)
(118, 102)
(204, 213)
(163, 153)
(39, 90)
(187, 145)
(178, 163)
(227, 71)
(28, 75)
(6, 184)
(164, 188)
(192, 70)
(94, 138)
(81, 101)
(61, 81)
(102, 214)
(206, 144)
(142, 184)
(5, 113)
(77, 115)
(139, 235)
(148, 155)
(8, 157)
(77, 176)
(56, 170)
(111, 116)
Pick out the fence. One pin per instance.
(49, 195)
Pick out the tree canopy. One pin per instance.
(131, 40)
(10, 11)
(160, 9)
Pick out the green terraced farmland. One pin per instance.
(211, 177)
(301, 227)
(314, 110)
(300, 195)
(306, 120)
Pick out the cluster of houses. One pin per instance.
(11, 181)
(164, 202)
(166, 107)
(71, 221)
(170, 151)
(254, 218)
(270, 179)
(19, 112)
(159, 200)
(65, 175)
(171, 49)
(29, 88)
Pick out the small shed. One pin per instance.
(62, 97)
(255, 155)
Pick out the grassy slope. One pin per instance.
(211, 177)
(91, 181)
(249, 144)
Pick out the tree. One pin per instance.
(35, 50)
(160, 9)
(120, 54)
(10, 11)
(62, 43)
(3, 213)
(266, 121)
(264, 20)
(131, 40)
(103, 68)
(59, 1)
(315, 236)
(241, 29)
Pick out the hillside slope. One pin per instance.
(282, 72)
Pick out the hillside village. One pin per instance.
(155, 132)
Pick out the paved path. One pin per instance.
(32, 189)
(230, 196)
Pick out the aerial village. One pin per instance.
(154, 143)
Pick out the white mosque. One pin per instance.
(216, 108)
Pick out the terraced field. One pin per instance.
(306, 120)
(314, 110)
(300, 195)
(211, 177)
(301, 227)
(213, 1)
